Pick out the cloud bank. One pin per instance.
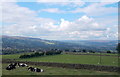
(22, 21)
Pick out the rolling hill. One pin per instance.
(35, 43)
(27, 43)
(98, 44)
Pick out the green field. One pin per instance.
(53, 71)
(63, 58)
(111, 54)
(67, 58)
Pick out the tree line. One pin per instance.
(37, 54)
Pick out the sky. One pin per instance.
(60, 20)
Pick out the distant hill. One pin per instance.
(98, 44)
(17, 42)
(36, 43)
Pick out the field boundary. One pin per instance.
(67, 65)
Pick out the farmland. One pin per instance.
(62, 58)
(53, 71)
(68, 58)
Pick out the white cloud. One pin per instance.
(83, 28)
(96, 9)
(77, 0)
(8, 0)
(109, 0)
(52, 10)
(23, 21)
(20, 20)
(71, 3)
(14, 13)
(59, 1)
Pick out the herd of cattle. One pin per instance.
(13, 66)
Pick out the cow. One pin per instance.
(22, 65)
(35, 69)
(38, 70)
(31, 69)
(11, 66)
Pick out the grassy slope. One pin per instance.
(66, 58)
(53, 71)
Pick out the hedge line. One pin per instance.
(37, 54)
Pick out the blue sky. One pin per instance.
(56, 16)
(61, 20)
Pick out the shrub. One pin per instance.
(108, 51)
(36, 54)
(53, 52)
(24, 56)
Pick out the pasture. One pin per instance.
(52, 71)
(69, 58)
(97, 53)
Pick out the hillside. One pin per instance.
(27, 43)
(98, 44)
(35, 43)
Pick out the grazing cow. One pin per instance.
(35, 69)
(22, 65)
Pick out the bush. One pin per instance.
(24, 56)
(108, 51)
(84, 50)
(53, 52)
(118, 48)
(36, 54)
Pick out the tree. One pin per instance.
(91, 51)
(118, 48)
(67, 50)
(108, 51)
(74, 50)
(84, 50)
(36, 54)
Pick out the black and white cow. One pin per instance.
(11, 66)
(38, 70)
(22, 65)
(31, 69)
(35, 69)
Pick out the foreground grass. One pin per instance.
(67, 58)
(53, 71)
